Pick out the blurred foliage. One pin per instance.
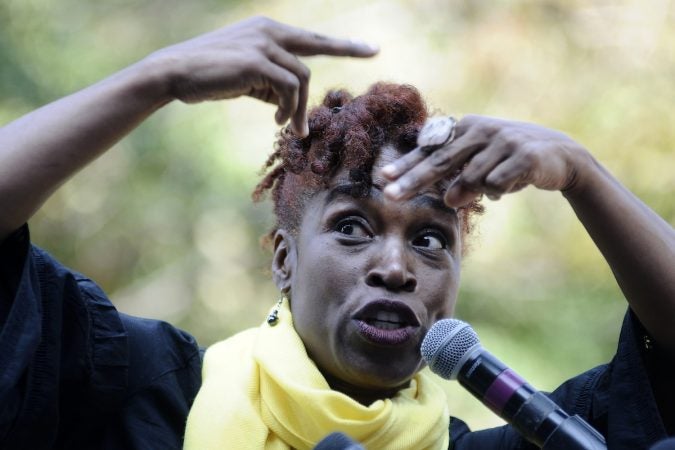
(164, 221)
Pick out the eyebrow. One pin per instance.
(419, 201)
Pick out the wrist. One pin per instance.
(584, 170)
(150, 81)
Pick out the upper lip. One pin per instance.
(402, 311)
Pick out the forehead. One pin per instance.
(343, 187)
(386, 155)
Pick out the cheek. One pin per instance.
(443, 290)
(326, 281)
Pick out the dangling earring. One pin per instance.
(273, 317)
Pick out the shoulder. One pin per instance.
(157, 351)
(125, 355)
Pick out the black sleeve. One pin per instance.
(498, 438)
(28, 387)
(660, 367)
(75, 372)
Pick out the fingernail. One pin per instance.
(389, 170)
(393, 190)
(361, 43)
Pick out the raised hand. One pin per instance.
(256, 57)
(495, 157)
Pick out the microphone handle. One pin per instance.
(536, 417)
(575, 433)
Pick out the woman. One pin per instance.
(366, 252)
(367, 249)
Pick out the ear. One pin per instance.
(284, 260)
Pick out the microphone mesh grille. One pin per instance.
(446, 343)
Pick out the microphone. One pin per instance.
(338, 441)
(452, 350)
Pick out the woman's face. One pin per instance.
(370, 278)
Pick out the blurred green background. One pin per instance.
(164, 221)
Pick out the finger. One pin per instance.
(481, 164)
(459, 195)
(291, 63)
(442, 163)
(306, 43)
(274, 84)
(396, 168)
(509, 176)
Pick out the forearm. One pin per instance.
(42, 149)
(638, 245)
(255, 57)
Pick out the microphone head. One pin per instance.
(446, 345)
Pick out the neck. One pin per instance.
(363, 395)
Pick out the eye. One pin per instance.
(352, 227)
(430, 240)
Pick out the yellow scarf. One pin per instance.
(261, 391)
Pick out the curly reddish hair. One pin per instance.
(344, 132)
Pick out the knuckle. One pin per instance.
(304, 74)
(467, 182)
(263, 22)
(439, 159)
(289, 84)
(252, 65)
(479, 160)
(470, 181)
(527, 156)
(469, 120)
(293, 83)
(495, 182)
(483, 127)
(505, 141)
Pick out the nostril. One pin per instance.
(409, 286)
(392, 281)
(375, 280)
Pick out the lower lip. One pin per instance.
(380, 336)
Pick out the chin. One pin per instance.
(384, 374)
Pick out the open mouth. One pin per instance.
(386, 322)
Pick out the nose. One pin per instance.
(391, 267)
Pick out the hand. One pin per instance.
(256, 57)
(495, 157)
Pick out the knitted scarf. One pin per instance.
(261, 391)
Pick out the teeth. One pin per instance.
(385, 325)
(387, 316)
(387, 320)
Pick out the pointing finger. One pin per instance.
(307, 43)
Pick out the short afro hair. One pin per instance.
(345, 132)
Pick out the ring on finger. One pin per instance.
(436, 133)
